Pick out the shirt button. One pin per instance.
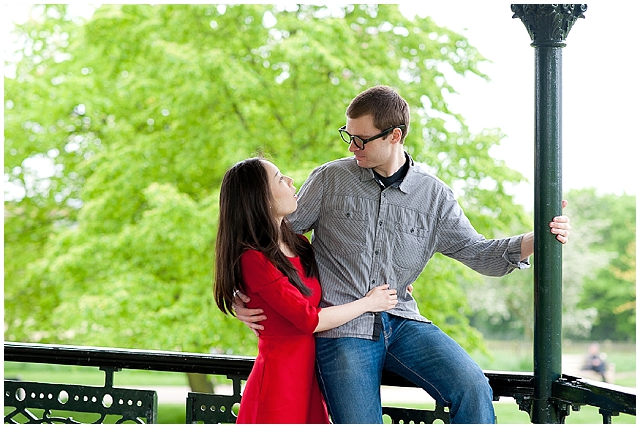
(373, 281)
(376, 252)
(380, 223)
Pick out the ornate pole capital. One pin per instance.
(548, 24)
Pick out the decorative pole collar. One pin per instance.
(548, 24)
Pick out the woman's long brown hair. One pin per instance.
(246, 222)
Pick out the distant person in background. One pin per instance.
(258, 253)
(595, 361)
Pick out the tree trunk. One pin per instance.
(198, 382)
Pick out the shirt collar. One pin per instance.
(366, 174)
(406, 184)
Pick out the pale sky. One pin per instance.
(600, 89)
(600, 94)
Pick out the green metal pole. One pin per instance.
(548, 26)
(547, 340)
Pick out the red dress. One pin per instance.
(282, 386)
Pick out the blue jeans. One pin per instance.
(350, 372)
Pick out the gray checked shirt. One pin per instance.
(364, 236)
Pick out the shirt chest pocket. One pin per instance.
(410, 246)
(349, 228)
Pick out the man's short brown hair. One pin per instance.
(385, 105)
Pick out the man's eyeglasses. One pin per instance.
(360, 142)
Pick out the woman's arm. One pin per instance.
(378, 299)
(264, 279)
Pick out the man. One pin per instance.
(595, 361)
(378, 218)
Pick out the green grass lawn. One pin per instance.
(508, 413)
(90, 376)
(518, 356)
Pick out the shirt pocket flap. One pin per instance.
(419, 232)
(349, 215)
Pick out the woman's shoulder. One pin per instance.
(252, 255)
(256, 261)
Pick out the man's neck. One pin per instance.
(391, 167)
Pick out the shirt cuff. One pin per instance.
(512, 255)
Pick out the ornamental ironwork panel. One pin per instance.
(214, 408)
(219, 409)
(54, 400)
(401, 415)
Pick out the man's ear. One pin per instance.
(396, 135)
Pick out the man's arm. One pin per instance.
(559, 226)
(250, 317)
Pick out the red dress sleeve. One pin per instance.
(263, 278)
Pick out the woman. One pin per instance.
(258, 254)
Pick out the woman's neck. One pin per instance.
(286, 250)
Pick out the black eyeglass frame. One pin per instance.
(355, 138)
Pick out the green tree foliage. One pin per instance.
(598, 277)
(138, 112)
(610, 290)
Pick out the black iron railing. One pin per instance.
(140, 406)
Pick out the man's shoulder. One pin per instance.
(346, 163)
(423, 176)
(341, 166)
